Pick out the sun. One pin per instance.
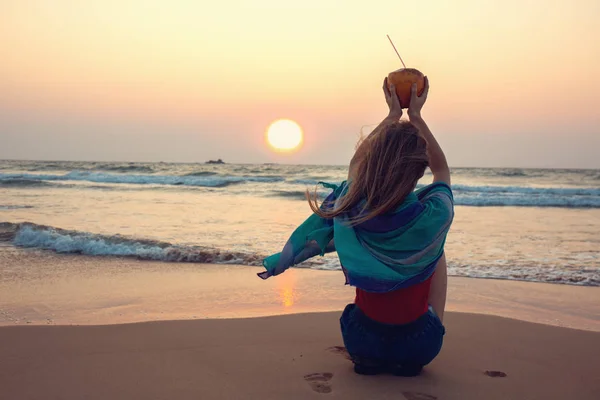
(284, 135)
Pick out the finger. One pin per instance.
(392, 94)
(394, 97)
(413, 91)
(425, 88)
(386, 87)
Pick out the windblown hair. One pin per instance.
(384, 170)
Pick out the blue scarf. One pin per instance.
(385, 253)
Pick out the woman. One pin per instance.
(390, 242)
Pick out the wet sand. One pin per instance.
(40, 287)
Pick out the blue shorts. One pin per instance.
(399, 349)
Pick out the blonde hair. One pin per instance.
(384, 170)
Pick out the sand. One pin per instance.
(289, 357)
(196, 350)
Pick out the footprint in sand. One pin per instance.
(341, 350)
(495, 374)
(319, 382)
(418, 396)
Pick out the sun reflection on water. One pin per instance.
(286, 289)
(287, 296)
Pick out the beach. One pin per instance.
(163, 164)
(102, 327)
(138, 281)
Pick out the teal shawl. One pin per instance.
(385, 253)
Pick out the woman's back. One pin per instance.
(390, 241)
(398, 307)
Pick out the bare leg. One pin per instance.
(439, 287)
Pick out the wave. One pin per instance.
(547, 273)
(124, 168)
(309, 182)
(502, 172)
(31, 235)
(516, 196)
(39, 166)
(50, 166)
(296, 194)
(465, 195)
(528, 190)
(247, 170)
(559, 274)
(511, 173)
(13, 207)
(502, 196)
(14, 182)
(314, 181)
(98, 177)
(201, 173)
(487, 200)
(494, 189)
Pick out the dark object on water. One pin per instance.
(495, 374)
(219, 161)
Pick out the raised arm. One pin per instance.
(437, 159)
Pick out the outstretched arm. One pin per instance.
(437, 158)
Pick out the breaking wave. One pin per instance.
(31, 235)
(17, 182)
(500, 196)
(125, 168)
(201, 173)
(99, 177)
(13, 207)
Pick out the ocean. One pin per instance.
(522, 224)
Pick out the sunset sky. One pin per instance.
(513, 83)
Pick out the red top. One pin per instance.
(398, 307)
